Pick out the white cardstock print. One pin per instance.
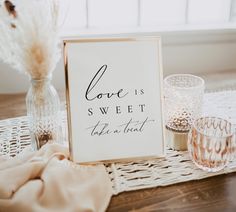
(114, 98)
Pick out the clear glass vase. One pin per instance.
(43, 111)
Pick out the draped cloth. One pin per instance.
(47, 181)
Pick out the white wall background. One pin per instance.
(183, 52)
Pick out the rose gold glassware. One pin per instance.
(211, 143)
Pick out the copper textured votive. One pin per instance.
(211, 143)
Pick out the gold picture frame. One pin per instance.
(157, 39)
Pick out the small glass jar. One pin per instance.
(183, 100)
(43, 111)
(211, 143)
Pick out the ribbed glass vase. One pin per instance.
(43, 111)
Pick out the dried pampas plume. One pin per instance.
(29, 36)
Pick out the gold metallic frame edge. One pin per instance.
(69, 128)
(68, 108)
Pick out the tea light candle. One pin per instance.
(176, 133)
(177, 130)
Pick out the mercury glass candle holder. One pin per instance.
(211, 143)
(183, 98)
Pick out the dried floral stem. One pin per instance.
(29, 36)
(10, 8)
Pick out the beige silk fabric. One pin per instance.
(47, 181)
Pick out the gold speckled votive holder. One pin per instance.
(183, 95)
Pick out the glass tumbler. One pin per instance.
(183, 98)
(211, 143)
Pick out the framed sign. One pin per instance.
(114, 98)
